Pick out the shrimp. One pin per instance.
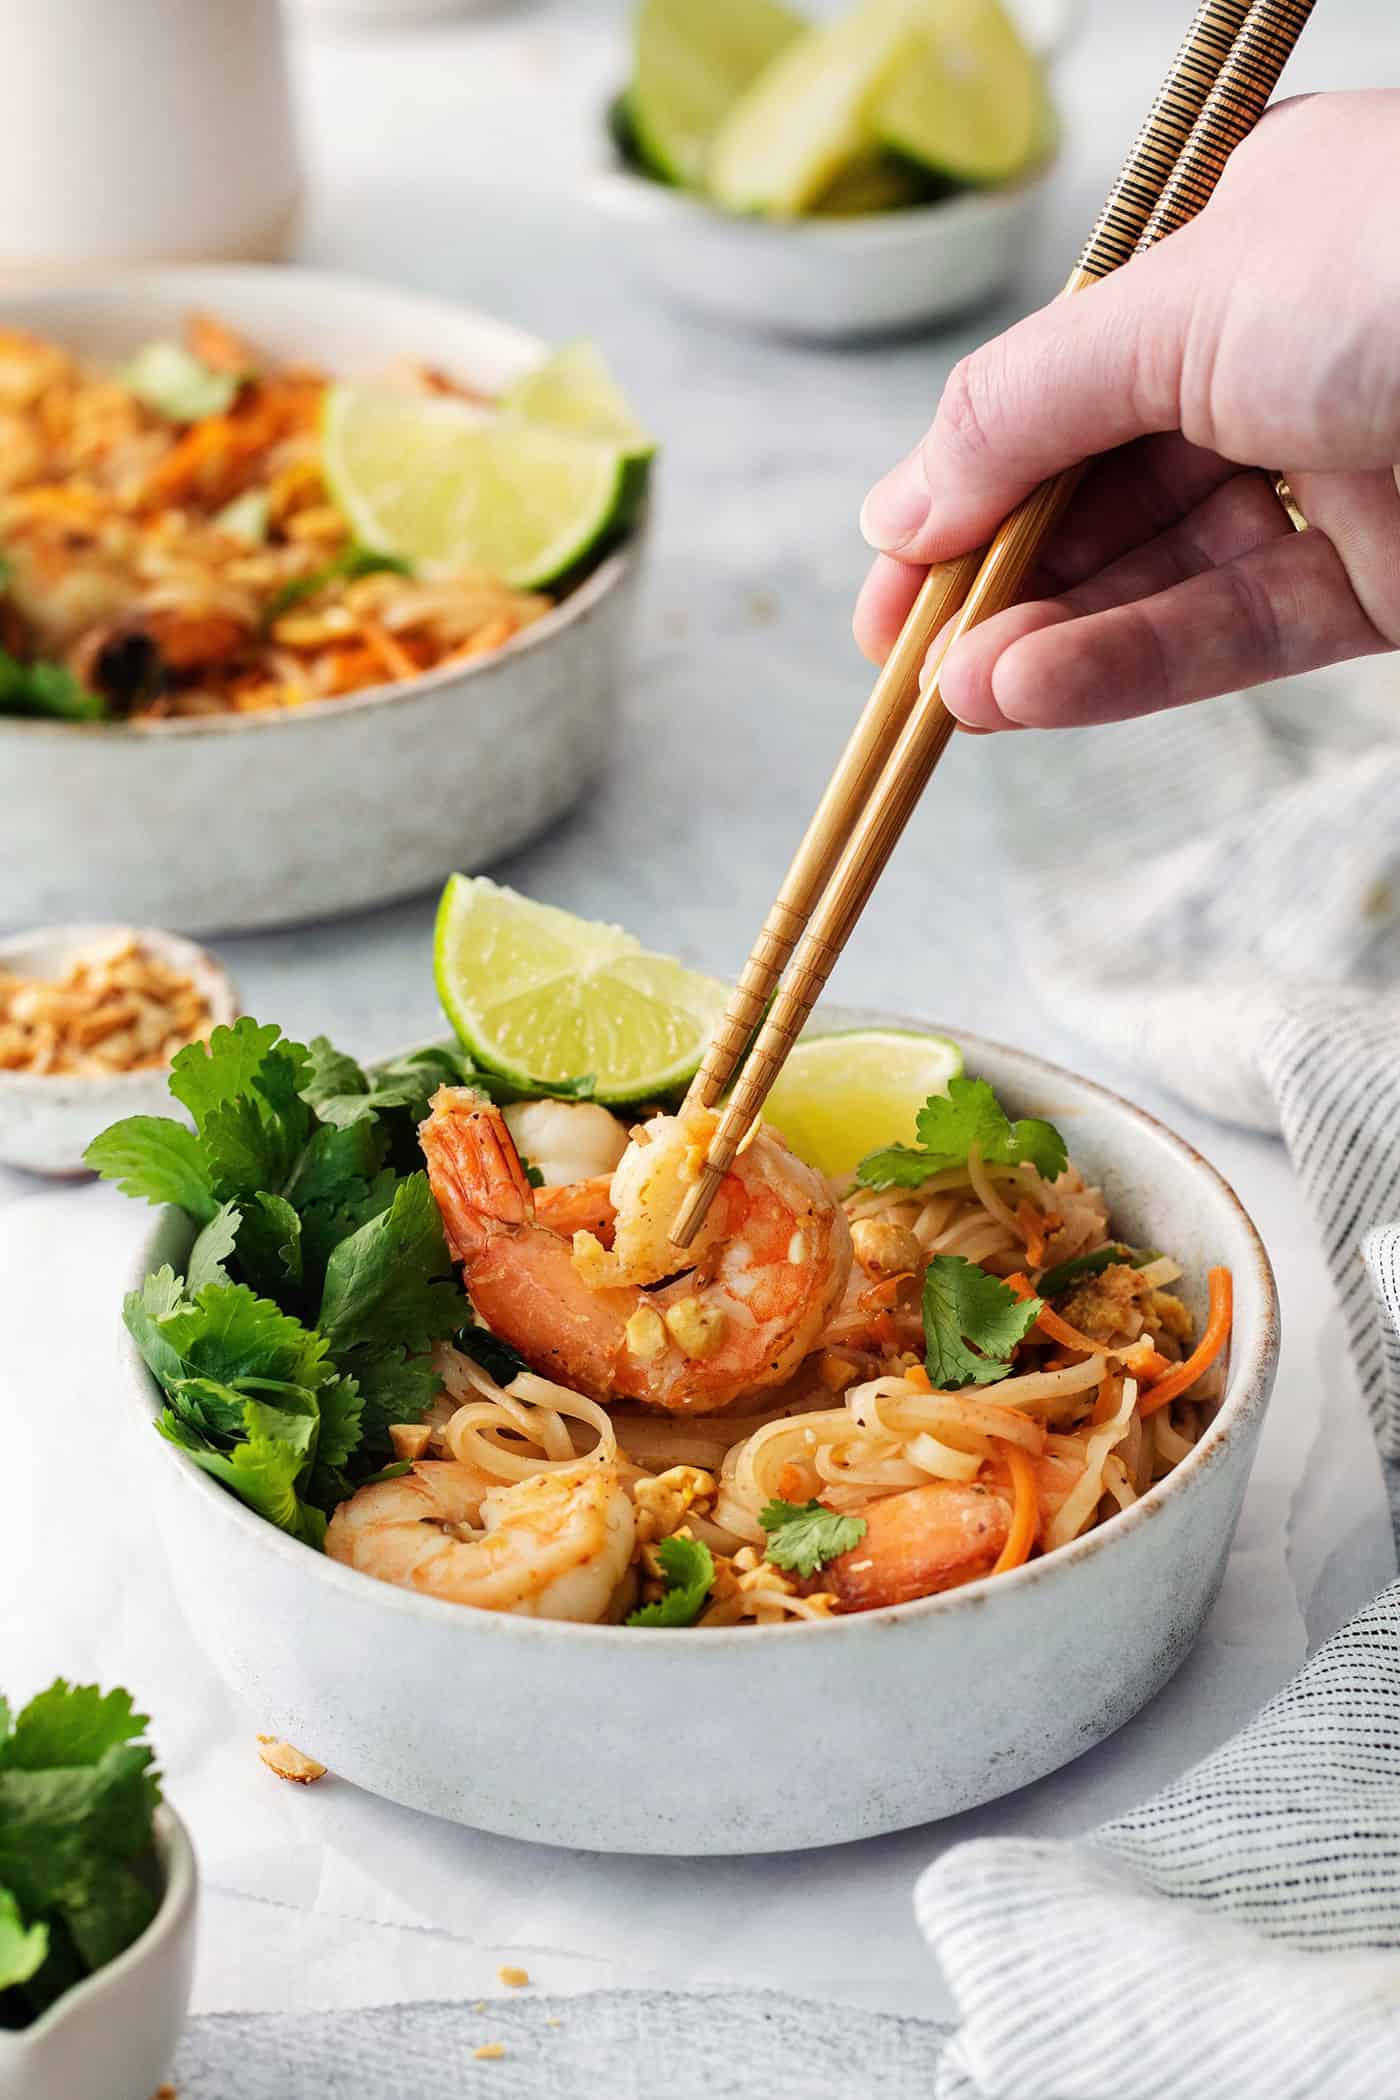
(919, 1542)
(553, 1547)
(754, 1296)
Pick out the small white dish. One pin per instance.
(220, 823)
(794, 1736)
(47, 1120)
(834, 279)
(113, 2035)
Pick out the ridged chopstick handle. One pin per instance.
(1165, 130)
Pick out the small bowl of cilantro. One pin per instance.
(97, 1901)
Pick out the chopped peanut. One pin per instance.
(663, 1501)
(645, 1332)
(489, 2052)
(288, 1762)
(515, 1979)
(117, 1008)
(410, 1439)
(697, 1329)
(886, 1249)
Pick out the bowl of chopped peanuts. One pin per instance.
(90, 1018)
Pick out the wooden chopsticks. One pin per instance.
(1214, 93)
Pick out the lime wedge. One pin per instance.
(574, 390)
(841, 1096)
(806, 116)
(877, 181)
(452, 487)
(693, 64)
(971, 103)
(543, 997)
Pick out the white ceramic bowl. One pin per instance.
(48, 1121)
(238, 821)
(113, 2035)
(793, 1736)
(833, 279)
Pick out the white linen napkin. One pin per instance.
(1223, 912)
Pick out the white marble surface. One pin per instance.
(448, 158)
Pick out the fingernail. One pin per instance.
(895, 508)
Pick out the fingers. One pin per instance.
(1123, 501)
(1284, 607)
(1081, 377)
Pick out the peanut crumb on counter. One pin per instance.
(515, 1978)
(479, 2006)
(116, 1008)
(489, 2052)
(288, 1762)
(164, 2092)
(554, 2023)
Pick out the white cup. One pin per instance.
(143, 130)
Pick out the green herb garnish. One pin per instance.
(353, 563)
(689, 1569)
(1067, 1272)
(46, 689)
(972, 1323)
(950, 1124)
(804, 1536)
(177, 384)
(78, 1874)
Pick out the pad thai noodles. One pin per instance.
(498, 1382)
(170, 547)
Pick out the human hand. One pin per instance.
(1266, 334)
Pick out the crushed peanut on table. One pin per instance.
(515, 1978)
(288, 1762)
(116, 1008)
(489, 2052)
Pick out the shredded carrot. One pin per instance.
(791, 1483)
(394, 657)
(1050, 1324)
(1213, 1339)
(1032, 1226)
(1151, 1367)
(1025, 1511)
(492, 636)
(918, 1377)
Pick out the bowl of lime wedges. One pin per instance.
(460, 452)
(880, 169)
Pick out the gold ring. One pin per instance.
(1290, 504)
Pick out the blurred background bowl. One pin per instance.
(839, 278)
(234, 821)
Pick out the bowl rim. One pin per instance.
(128, 288)
(175, 1856)
(1247, 1392)
(211, 976)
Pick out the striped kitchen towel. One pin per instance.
(1226, 917)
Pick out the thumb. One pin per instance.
(1084, 374)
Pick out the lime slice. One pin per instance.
(877, 181)
(972, 103)
(806, 116)
(693, 64)
(574, 390)
(842, 1096)
(453, 487)
(544, 997)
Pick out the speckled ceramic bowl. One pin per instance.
(112, 2036)
(226, 822)
(48, 1121)
(791, 1736)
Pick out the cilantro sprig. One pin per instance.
(78, 1876)
(950, 1124)
(972, 1323)
(804, 1536)
(689, 1569)
(46, 690)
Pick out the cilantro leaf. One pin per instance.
(262, 1469)
(346, 568)
(392, 1282)
(156, 1159)
(689, 1569)
(205, 1076)
(269, 1245)
(395, 1385)
(950, 1124)
(211, 1251)
(69, 1724)
(972, 1323)
(256, 1141)
(23, 1950)
(804, 1536)
(77, 1794)
(46, 689)
(178, 385)
(340, 1407)
(226, 1333)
